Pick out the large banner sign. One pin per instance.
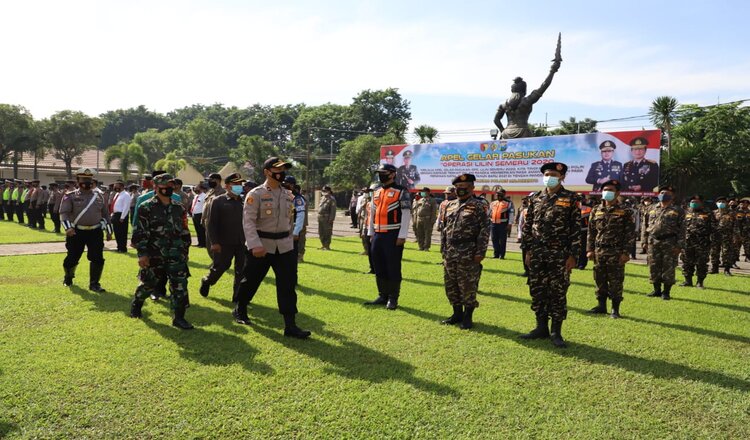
(632, 157)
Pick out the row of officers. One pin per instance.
(266, 236)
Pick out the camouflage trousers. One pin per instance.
(548, 282)
(325, 231)
(423, 231)
(746, 244)
(715, 252)
(695, 259)
(176, 271)
(662, 261)
(609, 275)
(461, 278)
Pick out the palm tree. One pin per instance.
(662, 113)
(171, 164)
(426, 134)
(128, 155)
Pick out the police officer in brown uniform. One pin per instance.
(267, 220)
(84, 216)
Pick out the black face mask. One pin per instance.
(384, 177)
(279, 177)
(166, 192)
(212, 184)
(462, 192)
(85, 185)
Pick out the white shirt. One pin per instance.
(122, 203)
(198, 203)
(360, 203)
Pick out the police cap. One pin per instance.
(697, 197)
(639, 142)
(85, 172)
(555, 166)
(607, 144)
(667, 187)
(408, 153)
(232, 178)
(464, 178)
(275, 162)
(386, 168)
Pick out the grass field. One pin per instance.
(13, 233)
(73, 365)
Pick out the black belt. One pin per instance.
(273, 235)
(664, 237)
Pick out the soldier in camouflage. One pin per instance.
(745, 228)
(326, 217)
(665, 238)
(162, 239)
(726, 230)
(463, 243)
(425, 215)
(611, 234)
(700, 225)
(551, 240)
(643, 212)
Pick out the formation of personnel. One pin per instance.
(425, 212)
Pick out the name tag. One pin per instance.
(562, 203)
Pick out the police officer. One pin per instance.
(611, 234)
(408, 174)
(5, 199)
(605, 169)
(162, 240)
(665, 239)
(389, 225)
(700, 226)
(84, 216)
(640, 174)
(389, 157)
(326, 217)
(502, 213)
(425, 215)
(226, 235)
(53, 205)
(299, 230)
(364, 224)
(463, 243)
(267, 221)
(552, 239)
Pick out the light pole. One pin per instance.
(340, 140)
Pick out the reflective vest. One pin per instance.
(585, 214)
(387, 206)
(6, 194)
(24, 195)
(499, 213)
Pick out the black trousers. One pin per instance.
(55, 217)
(92, 240)
(499, 239)
(121, 231)
(200, 231)
(36, 218)
(386, 256)
(255, 270)
(223, 260)
(10, 211)
(2, 210)
(353, 214)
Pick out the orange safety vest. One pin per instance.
(499, 211)
(387, 203)
(585, 213)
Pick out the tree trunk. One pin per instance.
(15, 165)
(69, 168)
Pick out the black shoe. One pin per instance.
(240, 317)
(70, 273)
(665, 294)
(205, 287)
(179, 319)
(615, 310)
(458, 316)
(379, 301)
(525, 274)
(467, 321)
(727, 272)
(296, 332)
(688, 282)
(135, 309)
(556, 335)
(657, 291)
(96, 288)
(600, 309)
(392, 303)
(699, 284)
(540, 332)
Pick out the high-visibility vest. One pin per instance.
(585, 214)
(6, 194)
(387, 203)
(24, 195)
(499, 211)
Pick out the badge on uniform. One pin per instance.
(391, 193)
(268, 212)
(249, 200)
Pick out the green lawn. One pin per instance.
(13, 233)
(73, 365)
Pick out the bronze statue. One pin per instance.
(518, 106)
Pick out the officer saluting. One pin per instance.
(605, 169)
(267, 221)
(83, 214)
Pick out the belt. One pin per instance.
(273, 235)
(88, 228)
(664, 237)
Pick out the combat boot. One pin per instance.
(382, 298)
(467, 321)
(70, 273)
(458, 316)
(714, 270)
(615, 309)
(556, 334)
(699, 284)
(205, 287)
(657, 291)
(240, 315)
(727, 272)
(393, 293)
(135, 309)
(95, 274)
(601, 308)
(688, 282)
(291, 330)
(179, 319)
(541, 331)
(665, 294)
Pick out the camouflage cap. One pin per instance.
(163, 179)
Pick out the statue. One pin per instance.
(518, 106)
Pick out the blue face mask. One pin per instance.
(608, 195)
(721, 205)
(664, 197)
(237, 189)
(423, 194)
(695, 205)
(551, 181)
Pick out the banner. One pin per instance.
(632, 157)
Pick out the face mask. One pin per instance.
(383, 177)
(423, 194)
(279, 177)
(237, 189)
(212, 184)
(721, 205)
(85, 185)
(695, 205)
(608, 195)
(551, 181)
(166, 192)
(462, 192)
(664, 197)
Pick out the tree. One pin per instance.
(354, 165)
(71, 133)
(206, 145)
(574, 126)
(250, 154)
(128, 154)
(662, 113)
(376, 111)
(171, 164)
(426, 134)
(122, 125)
(16, 130)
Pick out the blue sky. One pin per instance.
(453, 60)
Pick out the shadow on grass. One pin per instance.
(6, 428)
(355, 271)
(344, 357)
(713, 304)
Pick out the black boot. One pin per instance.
(665, 294)
(70, 273)
(727, 272)
(714, 269)
(291, 330)
(179, 319)
(541, 331)
(699, 284)
(205, 287)
(688, 281)
(601, 308)
(556, 334)
(95, 274)
(382, 298)
(393, 293)
(458, 316)
(135, 309)
(657, 291)
(615, 309)
(240, 315)
(468, 315)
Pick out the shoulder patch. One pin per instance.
(249, 200)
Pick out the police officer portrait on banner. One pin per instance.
(605, 169)
(640, 174)
(408, 174)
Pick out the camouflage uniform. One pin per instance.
(424, 221)
(700, 226)
(326, 217)
(465, 235)
(665, 233)
(745, 230)
(611, 234)
(726, 230)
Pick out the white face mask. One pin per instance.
(608, 195)
(551, 181)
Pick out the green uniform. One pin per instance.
(425, 215)
(611, 234)
(326, 216)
